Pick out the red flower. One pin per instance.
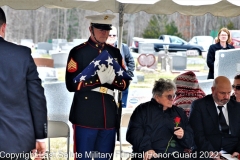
(177, 120)
(239, 156)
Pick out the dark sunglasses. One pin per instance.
(237, 87)
(112, 35)
(170, 97)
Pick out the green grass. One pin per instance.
(149, 78)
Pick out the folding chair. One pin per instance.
(57, 129)
(124, 124)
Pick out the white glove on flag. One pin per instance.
(106, 75)
(111, 74)
(102, 74)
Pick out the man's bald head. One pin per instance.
(221, 81)
(221, 90)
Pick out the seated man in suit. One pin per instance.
(215, 121)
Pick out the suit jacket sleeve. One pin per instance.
(37, 101)
(195, 121)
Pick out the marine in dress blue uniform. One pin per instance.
(94, 111)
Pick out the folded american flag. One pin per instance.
(103, 58)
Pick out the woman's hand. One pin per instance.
(149, 154)
(235, 154)
(179, 132)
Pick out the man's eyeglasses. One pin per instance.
(237, 87)
(112, 35)
(170, 97)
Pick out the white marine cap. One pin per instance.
(101, 21)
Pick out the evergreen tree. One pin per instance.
(230, 26)
(171, 29)
(155, 26)
(158, 25)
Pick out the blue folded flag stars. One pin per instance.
(103, 58)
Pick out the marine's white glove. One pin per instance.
(102, 74)
(111, 74)
(106, 75)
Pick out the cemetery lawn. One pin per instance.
(149, 78)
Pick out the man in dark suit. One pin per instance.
(215, 121)
(23, 111)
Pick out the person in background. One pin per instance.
(223, 42)
(94, 112)
(153, 126)
(23, 109)
(188, 90)
(215, 122)
(127, 57)
(236, 88)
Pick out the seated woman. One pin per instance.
(188, 90)
(236, 88)
(154, 128)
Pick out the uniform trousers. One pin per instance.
(93, 143)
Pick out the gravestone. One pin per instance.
(137, 96)
(59, 59)
(67, 48)
(47, 74)
(40, 51)
(44, 45)
(147, 60)
(227, 63)
(206, 85)
(59, 100)
(56, 50)
(176, 62)
(56, 41)
(146, 48)
(201, 75)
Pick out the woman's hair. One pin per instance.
(237, 76)
(162, 85)
(228, 33)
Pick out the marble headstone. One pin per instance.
(59, 59)
(45, 45)
(206, 85)
(146, 48)
(47, 74)
(227, 63)
(59, 40)
(59, 100)
(176, 62)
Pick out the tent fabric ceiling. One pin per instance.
(223, 8)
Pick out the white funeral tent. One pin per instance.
(221, 8)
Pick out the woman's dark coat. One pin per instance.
(150, 128)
